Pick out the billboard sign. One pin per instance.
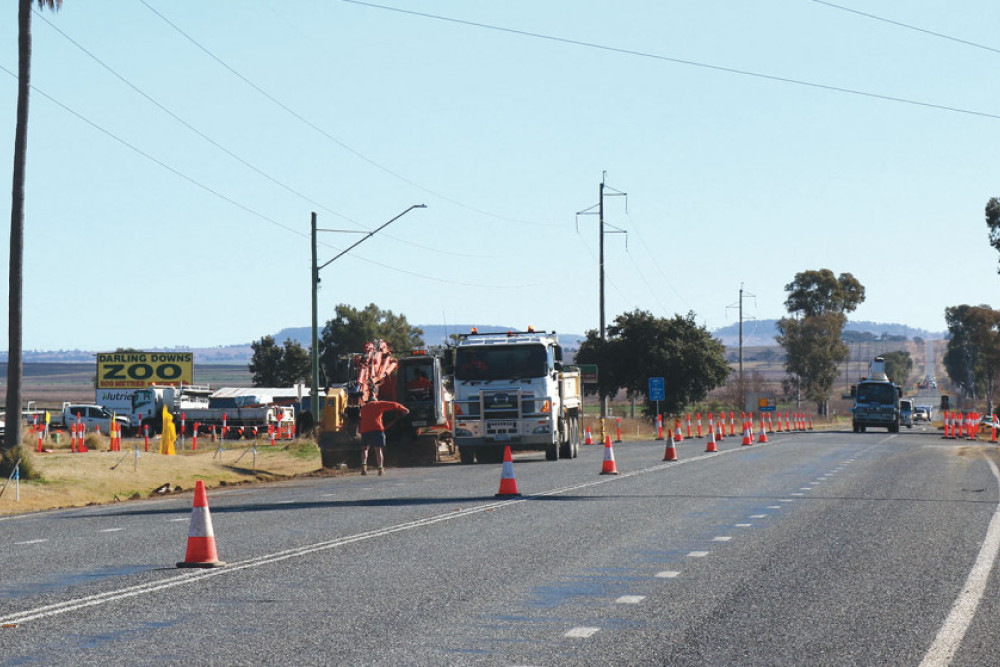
(138, 370)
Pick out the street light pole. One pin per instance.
(314, 351)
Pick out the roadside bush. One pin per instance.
(94, 441)
(9, 457)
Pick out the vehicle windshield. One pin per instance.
(876, 393)
(501, 362)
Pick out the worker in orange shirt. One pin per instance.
(373, 431)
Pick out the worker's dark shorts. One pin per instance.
(373, 439)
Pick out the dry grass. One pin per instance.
(102, 476)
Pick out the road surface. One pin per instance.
(815, 548)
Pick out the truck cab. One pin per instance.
(511, 390)
(876, 401)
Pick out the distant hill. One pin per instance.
(762, 332)
(755, 333)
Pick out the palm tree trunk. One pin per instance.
(15, 313)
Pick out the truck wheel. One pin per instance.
(565, 439)
(466, 455)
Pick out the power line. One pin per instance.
(219, 146)
(232, 201)
(358, 154)
(908, 26)
(681, 61)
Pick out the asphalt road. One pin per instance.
(816, 548)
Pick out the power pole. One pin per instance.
(742, 381)
(600, 261)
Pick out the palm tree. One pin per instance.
(14, 356)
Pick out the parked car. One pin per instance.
(906, 413)
(93, 417)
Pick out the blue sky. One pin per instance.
(179, 215)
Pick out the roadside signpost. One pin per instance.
(656, 392)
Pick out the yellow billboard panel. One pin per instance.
(137, 370)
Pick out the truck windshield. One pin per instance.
(876, 393)
(501, 362)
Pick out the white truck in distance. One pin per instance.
(93, 417)
(511, 389)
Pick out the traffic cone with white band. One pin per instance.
(608, 467)
(508, 485)
(201, 551)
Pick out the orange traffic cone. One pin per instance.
(677, 431)
(508, 485)
(763, 431)
(589, 440)
(711, 439)
(747, 438)
(201, 550)
(670, 453)
(608, 467)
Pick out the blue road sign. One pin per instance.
(656, 389)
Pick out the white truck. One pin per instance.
(192, 405)
(511, 389)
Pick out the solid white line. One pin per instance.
(630, 599)
(197, 575)
(581, 633)
(950, 636)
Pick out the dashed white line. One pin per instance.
(774, 507)
(110, 530)
(798, 494)
(668, 574)
(33, 541)
(630, 599)
(183, 518)
(786, 500)
(698, 554)
(722, 538)
(743, 525)
(581, 632)
(760, 516)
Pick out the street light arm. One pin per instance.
(369, 235)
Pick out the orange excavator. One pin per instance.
(416, 381)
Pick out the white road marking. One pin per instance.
(798, 494)
(183, 518)
(110, 530)
(774, 507)
(758, 516)
(630, 599)
(805, 488)
(186, 578)
(284, 502)
(743, 525)
(581, 633)
(950, 636)
(32, 541)
(698, 554)
(786, 500)
(668, 574)
(722, 538)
